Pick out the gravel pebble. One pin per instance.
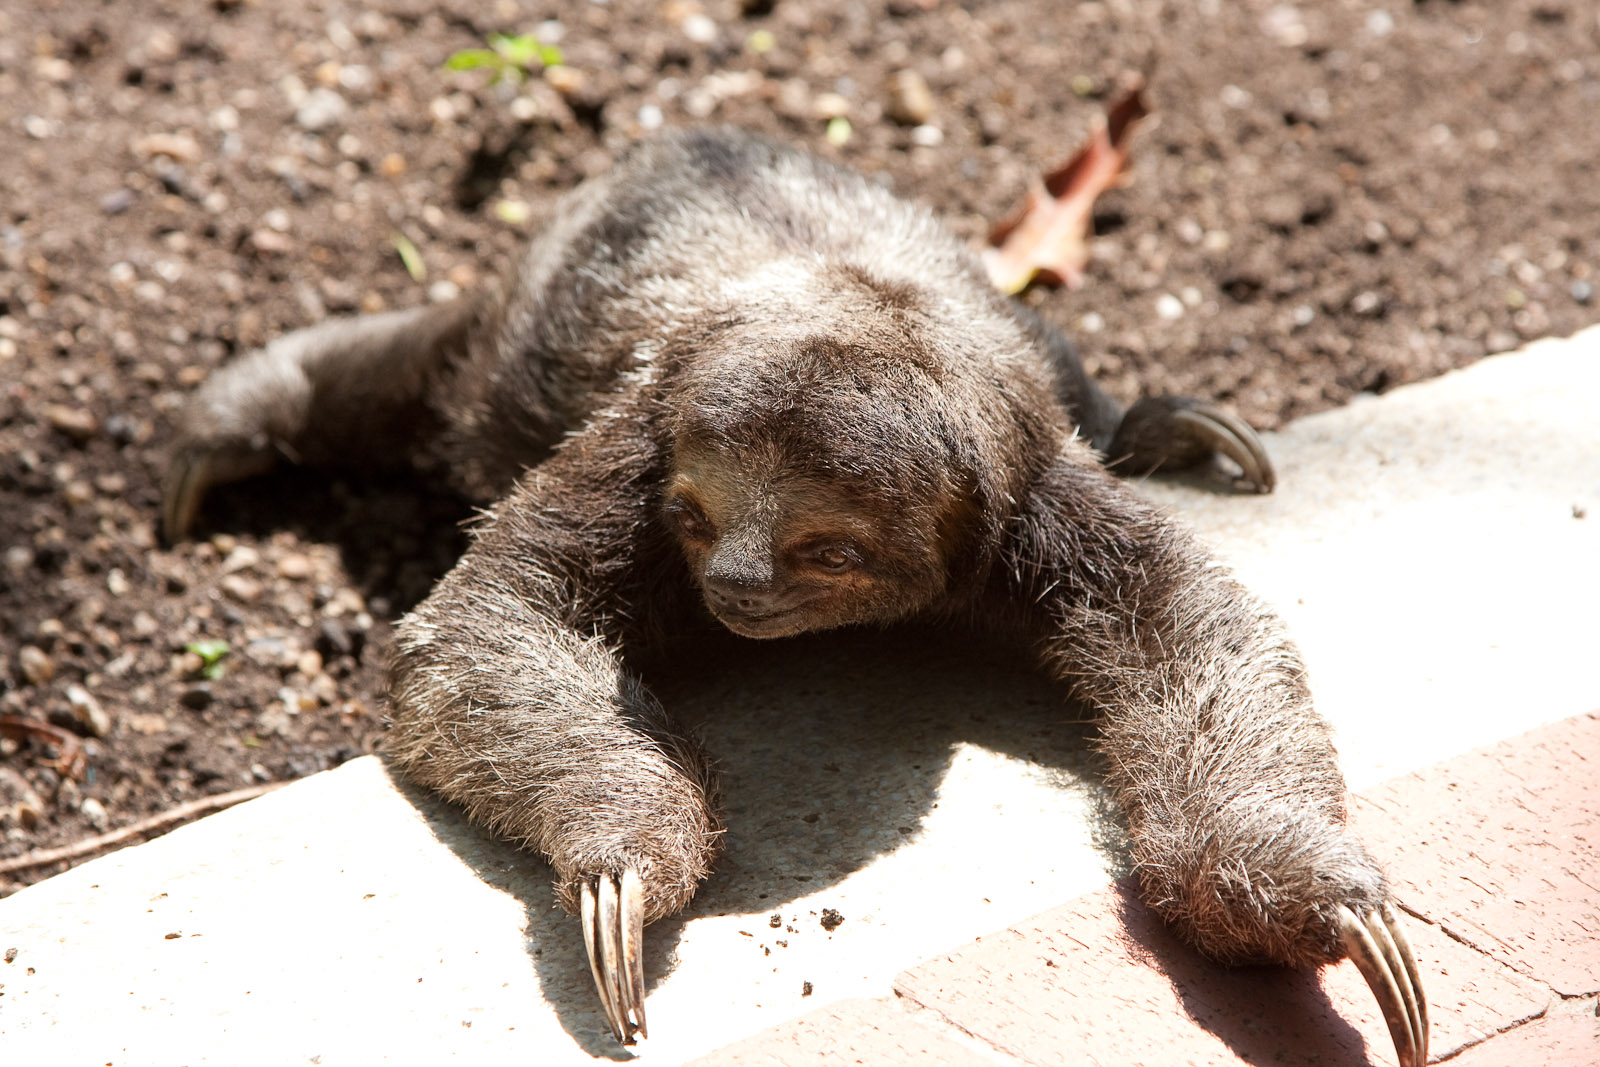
(37, 666)
(87, 710)
(322, 108)
(241, 588)
(77, 423)
(95, 812)
(115, 203)
(910, 100)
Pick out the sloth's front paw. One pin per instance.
(1174, 432)
(611, 908)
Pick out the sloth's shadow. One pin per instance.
(800, 732)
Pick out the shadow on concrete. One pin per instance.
(830, 750)
(1266, 1015)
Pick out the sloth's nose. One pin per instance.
(732, 596)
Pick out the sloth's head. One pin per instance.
(816, 485)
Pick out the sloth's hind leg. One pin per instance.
(350, 392)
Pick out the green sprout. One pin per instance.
(409, 256)
(508, 57)
(211, 653)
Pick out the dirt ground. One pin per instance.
(1333, 197)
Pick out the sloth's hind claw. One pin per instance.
(1178, 432)
(1230, 435)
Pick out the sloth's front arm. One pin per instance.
(1227, 775)
(510, 698)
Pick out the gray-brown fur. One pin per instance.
(730, 378)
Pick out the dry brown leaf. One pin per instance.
(1047, 239)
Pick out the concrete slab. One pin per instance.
(1423, 547)
(855, 1032)
(860, 778)
(1502, 847)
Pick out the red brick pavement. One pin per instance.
(1502, 848)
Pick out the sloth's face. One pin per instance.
(780, 552)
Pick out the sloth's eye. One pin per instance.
(690, 519)
(836, 558)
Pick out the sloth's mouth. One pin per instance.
(784, 623)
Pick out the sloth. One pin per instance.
(731, 383)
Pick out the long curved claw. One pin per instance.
(1378, 947)
(1225, 432)
(187, 479)
(195, 468)
(611, 908)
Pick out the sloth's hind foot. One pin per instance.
(611, 907)
(1377, 945)
(193, 469)
(1174, 432)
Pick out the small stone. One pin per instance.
(699, 28)
(295, 566)
(147, 723)
(321, 109)
(325, 689)
(118, 201)
(243, 589)
(87, 710)
(309, 663)
(271, 241)
(181, 147)
(567, 81)
(829, 106)
(95, 812)
(28, 813)
(241, 558)
(1169, 307)
(1582, 291)
(910, 100)
(37, 666)
(77, 423)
